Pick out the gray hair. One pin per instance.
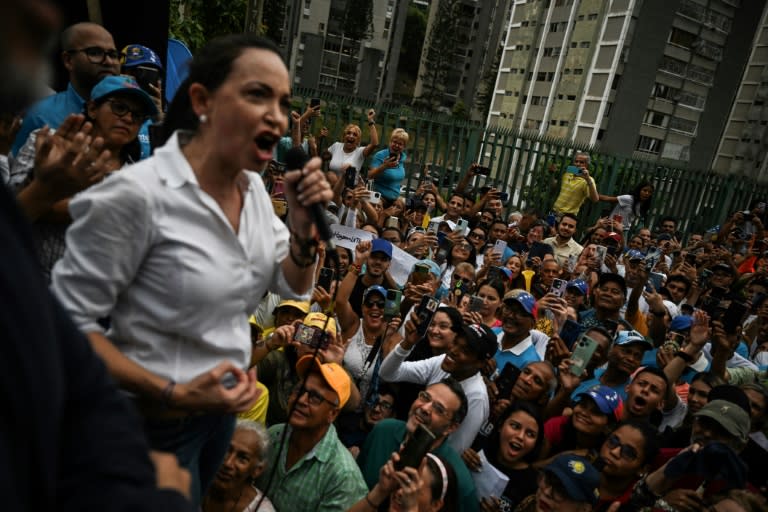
(261, 434)
(585, 155)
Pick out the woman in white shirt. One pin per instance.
(349, 152)
(632, 206)
(178, 250)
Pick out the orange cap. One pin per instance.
(333, 375)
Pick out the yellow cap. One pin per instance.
(318, 320)
(302, 306)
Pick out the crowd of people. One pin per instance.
(455, 356)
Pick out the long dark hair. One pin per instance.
(495, 437)
(641, 208)
(210, 67)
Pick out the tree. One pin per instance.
(439, 57)
(413, 40)
(484, 93)
(358, 19)
(196, 21)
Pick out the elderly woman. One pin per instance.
(178, 252)
(233, 487)
(387, 167)
(116, 110)
(348, 152)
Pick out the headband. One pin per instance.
(443, 474)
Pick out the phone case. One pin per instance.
(582, 354)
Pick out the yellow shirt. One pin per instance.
(258, 412)
(573, 192)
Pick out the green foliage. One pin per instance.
(358, 19)
(196, 21)
(459, 110)
(273, 18)
(413, 40)
(439, 59)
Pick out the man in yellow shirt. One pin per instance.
(576, 187)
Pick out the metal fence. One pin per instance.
(522, 164)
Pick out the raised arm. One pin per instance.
(373, 134)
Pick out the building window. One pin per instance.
(580, 17)
(578, 71)
(690, 99)
(574, 44)
(553, 122)
(683, 125)
(683, 38)
(674, 66)
(567, 71)
(556, 51)
(584, 44)
(664, 92)
(656, 119)
(571, 97)
(649, 145)
(592, 17)
(564, 123)
(700, 74)
(548, 51)
(524, 24)
(513, 71)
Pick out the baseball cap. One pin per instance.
(376, 288)
(580, 285)
(523, 298)
(629, 337)
(609, 277)
(317, 319)
(607, 400)
(728, 415)
(613, 236)
(724, 267)
(332, 373)
(681, 323)
(419, 205)
(579, 478)
(434, 268)
(480, 340)
(123, 85)
(302, 306)
(381, 245)
(137, 55)
(634, 255)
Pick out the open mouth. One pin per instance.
(638, 404)
(266, 143)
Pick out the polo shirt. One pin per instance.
(520, 355)
(327, 478)
(49, 111)
(386, 438)
(573, 192)
(564, 251)
(584, 386)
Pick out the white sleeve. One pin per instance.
(394, 368)
(625, 201)
(110, 234)
(465, 435)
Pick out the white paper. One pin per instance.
(489, 481)
(401, 265)
(347, 237)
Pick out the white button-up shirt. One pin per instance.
(151, 250)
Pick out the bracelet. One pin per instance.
(167, 393)
(370, 503)
(684, 356)
(354, 267)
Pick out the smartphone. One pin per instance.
(314, 102)
(601, 251)
(506, 380)
(504, 197)
(415, 448)
(704, 277)
(392, 222)
(325, 278)
(558, 287)
(499, 247)
(655, 279)
(539, 249)
(461, 225)
(459, 289)
(582, 354)
(475, 304)
(432, 228)
(573, 169)
(311, 336)
(424, 314)
(146, 75)
(375, 197)
(280, 207)
(483, 171)
(392, 304)
(350, 177)
(570, 332)
(733, 316)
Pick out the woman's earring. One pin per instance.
(202, 118)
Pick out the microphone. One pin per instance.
(295, 158)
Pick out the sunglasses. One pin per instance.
(479, 236)
(374, 303)
(627, 452)
(457, 277)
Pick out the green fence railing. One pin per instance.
(521, 163)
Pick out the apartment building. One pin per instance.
(652, 78)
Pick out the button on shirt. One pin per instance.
(564, 251)
(151, 250)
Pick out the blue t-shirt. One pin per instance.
(387, 183)
(51, 111)
(584, 386)
(529, 355)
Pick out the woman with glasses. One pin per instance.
(625, 456)
(461, 252)
(116, 110)
(511, 448)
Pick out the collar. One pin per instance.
(74, 96)
(322, 451)
(174, 169)
(519, 348)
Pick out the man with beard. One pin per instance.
(441, 408)
(563, 243)
(469, 353)
(89, 54)
(623, 359)
(313, 470)
(453, 210)
(376, 255)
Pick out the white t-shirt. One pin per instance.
(625, 209)
(340, 158)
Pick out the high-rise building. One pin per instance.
(348, 47)
(652, 78)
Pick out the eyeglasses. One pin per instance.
(374, 303)
(120, 109)
(464, 245)
(313, 397)
(479, 236)
(626, 452)
(557, 490)
(466, 280)
(96, 55)
(384, 406)
(437, 407)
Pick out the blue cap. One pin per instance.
(506, 271)
(123, 85)
(579, 284)
(607, 400)
(137, 55)
(374, 289)
(434, 268)
(523, 298)
(578, 476)
(629, 337)
(381, 245)
(681, 323)
(633, 254)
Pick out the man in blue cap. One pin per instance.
(376, 255)
(516, 343)
(146, 67)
